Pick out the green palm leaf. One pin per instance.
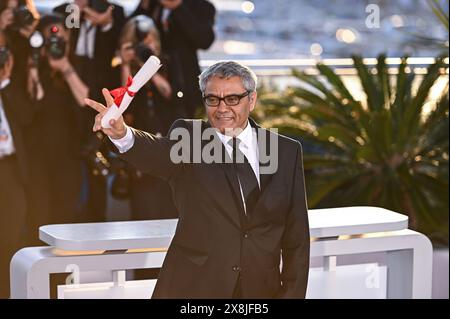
(385, 152)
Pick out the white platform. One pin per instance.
(159, 233)
(97, 256)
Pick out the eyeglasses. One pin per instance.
(230, 100)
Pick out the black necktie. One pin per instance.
(246, 176)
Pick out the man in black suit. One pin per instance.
(240, 210)
(94, 40)
(185, 26)
(92, 47)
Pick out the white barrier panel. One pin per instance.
(98, 254)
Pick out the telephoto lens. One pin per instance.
(55, 45)
(36, 42)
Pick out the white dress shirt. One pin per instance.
(125, 143)
(86, 39)
(248, 146)
(6, 138)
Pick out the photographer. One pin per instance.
(14, 178)
(185, 26)
(92, 47)
(150, 197)
(18, 20)
(93, 43)
(55, 138)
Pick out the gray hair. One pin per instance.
(228, 69)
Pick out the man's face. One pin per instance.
(223, 116)
(82, 3)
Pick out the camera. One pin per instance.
(22, 18)
(143, 52)
(144, 25)
(4, 56)
(56, 46)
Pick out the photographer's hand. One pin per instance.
(62, 65)
(171, 4)
(6, 18)
(34, 86)
(28, 30)
(118, 128)
(79, 89)
(5, 72)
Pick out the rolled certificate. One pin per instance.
(123, 96)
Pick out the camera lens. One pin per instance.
(56, 47)
(143, 52)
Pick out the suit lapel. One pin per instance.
(263, 147)
(263, 137)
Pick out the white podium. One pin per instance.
(97, 256)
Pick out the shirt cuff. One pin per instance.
(107, 27)
(4, 83)
(125, 143)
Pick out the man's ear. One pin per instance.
(253, 97)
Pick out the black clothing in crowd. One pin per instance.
(183, 31)
(47, 179)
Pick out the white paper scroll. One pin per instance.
(149, 69)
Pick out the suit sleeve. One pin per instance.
(151, 154)
(196, 24)
(296, 241)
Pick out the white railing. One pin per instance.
(97, 257)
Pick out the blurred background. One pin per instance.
(281, 29)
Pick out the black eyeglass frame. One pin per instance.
(240, 96)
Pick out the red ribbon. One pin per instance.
(120, 92)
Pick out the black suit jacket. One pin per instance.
(104, 48)
(214, 243)
(190, 28)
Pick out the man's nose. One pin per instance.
(222, 107)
